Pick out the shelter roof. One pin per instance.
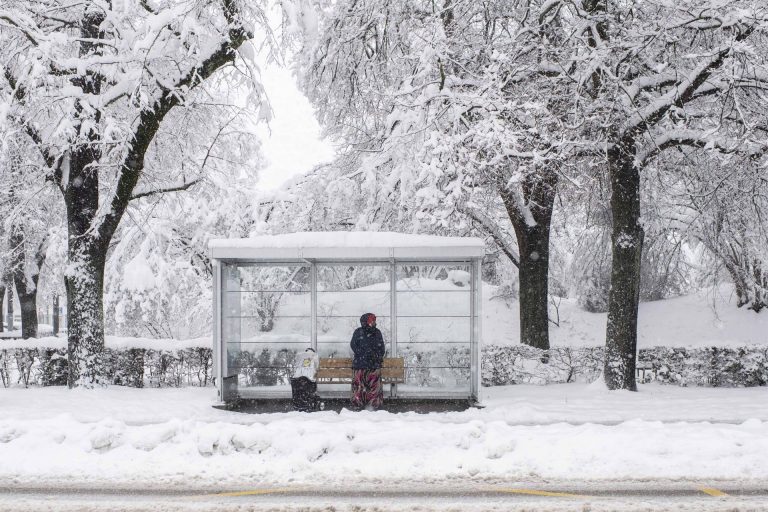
(347, 245)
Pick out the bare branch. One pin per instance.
(494, 230)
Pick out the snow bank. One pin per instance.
(362, 449)
(207, 448)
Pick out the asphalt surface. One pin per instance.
(544, 496)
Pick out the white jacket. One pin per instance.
(306, 365)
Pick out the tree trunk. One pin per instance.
(85, 277)
(532, 221)
(9, 287)
(26, 287)
(86, 249)
(85, 320)
(533, 244)
(627, 248)
(56, 313)
(2, 300)
(29, 323)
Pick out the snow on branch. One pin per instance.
(19, 94)
(151, 119)
(172, 188)
(645, 83)
(33, 35)
(494, 230)
(679, 95)
(685, 89)
(675, 138)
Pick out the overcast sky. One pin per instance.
(291, 142)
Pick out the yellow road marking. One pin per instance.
(712, 491)
(253, 492)
(535, 492)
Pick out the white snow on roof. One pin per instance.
(347, 245)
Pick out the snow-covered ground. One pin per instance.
(172, 437)
(705, 318)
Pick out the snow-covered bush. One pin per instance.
(502, 365)
(459, 277)
(521, 364)
(593, 292)
(508, 287)
(265, 368)
(36, 366)
(134, 367)
(711, 366)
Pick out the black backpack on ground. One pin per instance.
(304, 393)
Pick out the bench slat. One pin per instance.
(339, 370)
(345, 362)
(392, 373)
(336, 362)
(334, 373)
(347, 378)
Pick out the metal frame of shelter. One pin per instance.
(438, 251)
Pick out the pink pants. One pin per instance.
(367, 389)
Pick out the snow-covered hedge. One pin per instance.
(135, 367)
(170, 363)
(521, 364)
(711, 366)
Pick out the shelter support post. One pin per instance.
(218, 372)
(476, 330)
(393, 318)
(313, 301)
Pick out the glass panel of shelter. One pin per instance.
(266, 319)
(434, 328)
(344, 293)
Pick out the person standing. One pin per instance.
(368, 349)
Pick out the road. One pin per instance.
(539, 496)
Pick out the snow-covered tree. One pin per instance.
(443, 102)
(723, 206)
(28, 210)
(158, 280)
(92, 84)
(449, 122)
(656, 76)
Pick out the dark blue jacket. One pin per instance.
(368, 347)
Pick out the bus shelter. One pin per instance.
(277, 295)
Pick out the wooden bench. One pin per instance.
(338, 370)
